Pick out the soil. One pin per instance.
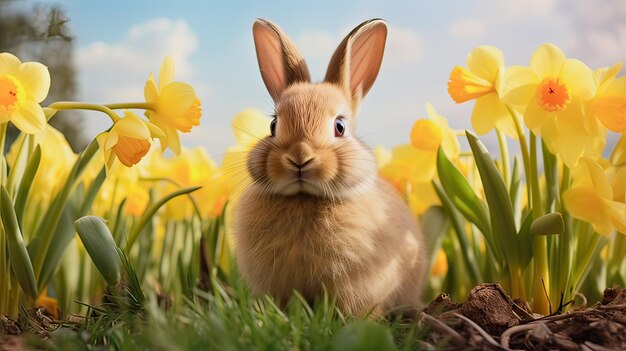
(490, 320)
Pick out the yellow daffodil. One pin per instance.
(609, 104)
(22, 87)
(49, 303)
(417, 162)
(55, 164)
(191, 168)
(175, 105)
(129, 140)
(482, 80)
(121, 183)
(440, 265)
(590, 199)
(551, 93)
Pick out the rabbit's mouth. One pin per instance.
(299, 186)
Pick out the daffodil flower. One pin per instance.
(413, 166)
(175, 105)
(482, 80)
(590, 199)
(22, 87)
(551, 93)
(609, 104)
(129, 140)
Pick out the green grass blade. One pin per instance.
(20, 260)
(150, 212)
(461, 193)
(100, 246)
(26, 183)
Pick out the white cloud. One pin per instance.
(403, 46)
(467, 28)
(117, 71)
(317, 46)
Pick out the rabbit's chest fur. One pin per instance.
(357, 251)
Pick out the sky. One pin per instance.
(118, 43)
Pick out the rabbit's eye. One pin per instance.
(340, 127)
(273, 127)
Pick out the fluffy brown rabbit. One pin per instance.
(317, 215)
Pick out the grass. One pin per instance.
(225, 318)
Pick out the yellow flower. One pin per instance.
(440, 265)
(129, 140)
(176, 106)
(609, 104)
(22, 87)
(590, 199)
(57, 159)
(551, 93)
(137, 199)
(49, 303)
(482, 80)
(417, 162)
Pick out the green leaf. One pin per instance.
(551, 223)
(461, 193)
(20, 261)
(26, 183)
(550, 172)
(500, 208)
(100, 246)
(364, 336)
(150, 211)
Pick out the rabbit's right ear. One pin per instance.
(280, 62)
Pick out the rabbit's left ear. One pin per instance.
(356, 62)
(280, 61)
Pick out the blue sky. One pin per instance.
(120, 42)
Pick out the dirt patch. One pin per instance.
(490, 320)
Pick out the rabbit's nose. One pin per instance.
(300, 154)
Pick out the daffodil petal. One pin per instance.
(570, 135)
(131, 126)
(173, 141)
(618, 156)
(166, 73)
(483, 120)
(36, 80)
(519, 87)
(110, 141)
(9, 64)
(155, 131)
(485, 61)
(150, 91)
(598, 179)
(176, 98)
(29, 118)
(617, 215)
(534, 115)
(547, 60)
(583, 203)
(578, 78)
(250, 126)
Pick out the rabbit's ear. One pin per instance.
(356, 62)
(280, 61)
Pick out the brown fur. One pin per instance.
(317, 215)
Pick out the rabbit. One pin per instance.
(317, 217)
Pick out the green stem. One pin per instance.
(47, 227)
(131, 105)
(521, 136)
(540, 245)
(504, 154)
(70, 105)
(3, 136)
(467, 254)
